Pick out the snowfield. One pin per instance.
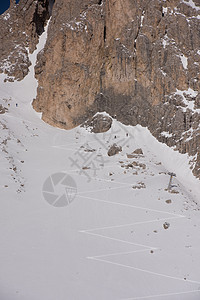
(122, 236)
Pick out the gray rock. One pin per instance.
(2, 109)
(114, 149)
(138, 151)
(99, 123)
(166, 225)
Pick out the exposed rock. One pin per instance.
(133, 164)
(139, 186)
(21, 25)
(173, 192)
(130, 61)
(89, 150)
(135, 153)
(114, 149)
(85, 168)
(136, 60)
(137, 164)
(2, 109)
(130, 155)
(138, 151)
(169, 201)
(166, 225)
(99, 123)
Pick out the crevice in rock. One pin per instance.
(102, 73)
(184, 120)
(191, 121)
(50, 8)
(138, 31)
(39, 19)
(104, 33)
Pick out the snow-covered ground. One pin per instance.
(124, 236)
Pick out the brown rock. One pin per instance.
(99, 123)
(166, 225)
(130, 155)
(139, 186)
(21, 25)
(138, 151)
(169, 201)
(3, 109)
(114, 149)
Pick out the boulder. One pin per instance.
(99, 123)
(114, 149)
(138, 151)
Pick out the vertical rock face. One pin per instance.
(136, 59)
(21, 26)
(69, 68)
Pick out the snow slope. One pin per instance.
(110, 242)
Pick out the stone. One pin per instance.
(99, 123)
(130, 155)
(138, 151)
(169, 201)
(114, 149)
(139, 186)
(3, 109)
(166, 225)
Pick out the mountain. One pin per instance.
(137, 60)
(76, 221)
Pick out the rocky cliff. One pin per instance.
(138, 60)
(21, 25)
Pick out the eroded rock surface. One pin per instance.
(114, 149)
(21, 25)
(99, 123)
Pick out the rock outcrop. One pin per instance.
(138, 151)
(137, 60)
(114, 149)
(99, 123)
(21, 25)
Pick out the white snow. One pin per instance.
(25, 90)
(191, 4)
(184, 61)
(141, 21)
(165, 41)
(189, 104)
(109, 243)
(167, 134)
(164, 10)
(7, 16)
(76, 25)
(164, 74)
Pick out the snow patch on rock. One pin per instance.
(184, 61)
(191, 4)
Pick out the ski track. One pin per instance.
(99, 258)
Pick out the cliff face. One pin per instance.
(21, 25)
(138, 60)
